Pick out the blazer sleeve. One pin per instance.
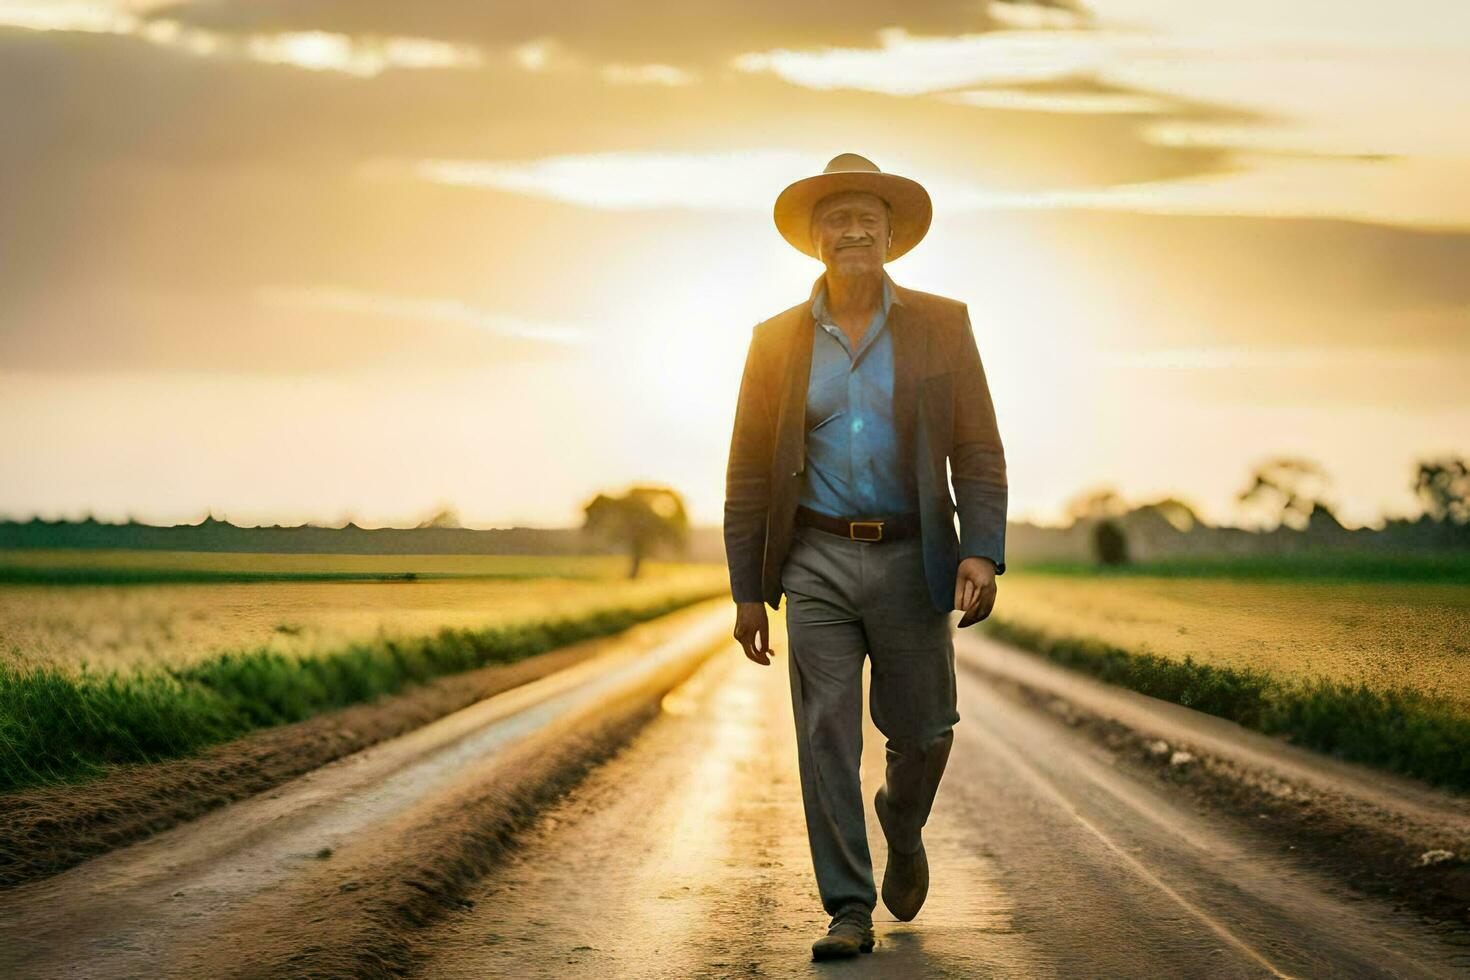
(748, 482)
(977, 459)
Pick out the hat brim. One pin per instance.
(912, 209)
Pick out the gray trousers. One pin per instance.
(847, 600)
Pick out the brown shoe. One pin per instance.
(850, 933)
(906, 879)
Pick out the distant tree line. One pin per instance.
(641, 521)
(1286, 493)
(1287, 497)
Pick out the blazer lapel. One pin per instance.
(791, 415)
(910, 341)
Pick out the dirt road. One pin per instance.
(684, 853)
(685, 856)
(328, 873)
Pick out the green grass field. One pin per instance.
(93, 675)
(59, 724)
(1377, 672)
(1448, 568)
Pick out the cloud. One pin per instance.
(340, 299)
(1024, 100)
(633, 181)
(40, 15)
(293, 330)
(910, 64)
(690, 34)
(1038, 16)
(1339, 91)
(321, 51)
(313, 50)
(655, 74)
(747, 180)
(542, 53)
(1352, 97)
(1389, 191)
(1386, 191)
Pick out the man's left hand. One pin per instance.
(974, 589)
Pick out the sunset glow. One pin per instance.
(293, 262)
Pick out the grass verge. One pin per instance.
(1445, 567)
(1401, 730)
(60, 725)
(183, 576)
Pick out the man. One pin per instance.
(851, 405)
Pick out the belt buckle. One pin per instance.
(877, 526)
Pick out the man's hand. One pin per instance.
(974, 589)
(753, 631)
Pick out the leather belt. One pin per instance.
(892, 528)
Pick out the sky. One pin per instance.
(313, 260)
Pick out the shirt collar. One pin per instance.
(819, 297)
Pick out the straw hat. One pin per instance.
(912, 209)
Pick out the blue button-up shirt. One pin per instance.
(852, 464)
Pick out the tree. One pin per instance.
(1102, 507)
(641, 519)
(1443, 485)
(1109, 543)
(1096, 504)
(1179, 515)
(1287, 490)
(445, 516)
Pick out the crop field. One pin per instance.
(1384, 634)
(1377, 672)
(201, 649)
(72, 566)
(1449, 567)
(174, 609)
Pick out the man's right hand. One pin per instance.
(753, 631)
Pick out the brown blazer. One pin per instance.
(944, 414)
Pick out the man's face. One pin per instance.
(850, 231)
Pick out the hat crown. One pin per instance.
(909, 206)
(849, 162)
